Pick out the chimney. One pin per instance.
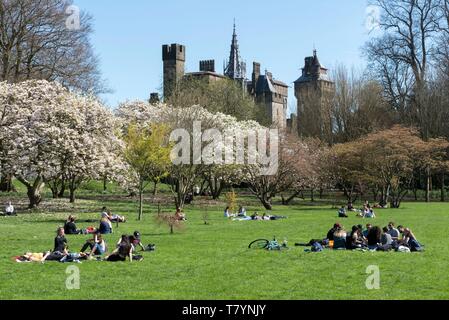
(256, 73)
(207, 66)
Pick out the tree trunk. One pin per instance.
(34, 197)
(72, 195)
(62, 190)
(443, 191)
(428, 183)
(267, 205)
(286, 202)
(266, 201)
(155, 188)
(105, 184)
(180, 196)
(33, 191)
(6, 184)
(140, 201)
(312, 195)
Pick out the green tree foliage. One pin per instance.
(224, 95)
(147, 152)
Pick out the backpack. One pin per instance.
(150, 247)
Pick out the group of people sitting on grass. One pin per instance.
(95, 247)
(372, 238)
(105, 226)
(366, 212)
(242, 216)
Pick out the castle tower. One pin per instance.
(174, 57)
(314, 92)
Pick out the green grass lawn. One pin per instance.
(213, 262)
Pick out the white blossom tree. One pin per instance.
(55, 134)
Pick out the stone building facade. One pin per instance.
(270, 94)
(314, 92)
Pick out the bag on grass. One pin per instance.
(151, 247)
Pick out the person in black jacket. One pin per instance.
(70, 226)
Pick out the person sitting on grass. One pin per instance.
(9, 210)
(386, 241)
(97, 245)
(342, 213)
(356, 239)
(242, 212)
(105, 213)
(179, 215)
(369, 214)
(136, 241)
(123, 251)
(393, 232)
(410, 241)
(228, 214)
(105, 226)
(351, 207)
(70, 226)
(374, 238)
(365, 233)
(331, 232)
(340, 239)
(60, 242)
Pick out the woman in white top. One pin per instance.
(10, 209)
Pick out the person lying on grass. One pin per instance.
(97, 246)
(33, 257)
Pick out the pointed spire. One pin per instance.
(235, 68)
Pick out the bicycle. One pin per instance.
(268, 245)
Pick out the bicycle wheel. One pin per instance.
(259, 244)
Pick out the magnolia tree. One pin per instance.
(204, 144)
(309, 163)
(57, 137)
(293, 167)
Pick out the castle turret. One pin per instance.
(174, 57)
(314, 92)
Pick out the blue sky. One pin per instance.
(279, 34)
